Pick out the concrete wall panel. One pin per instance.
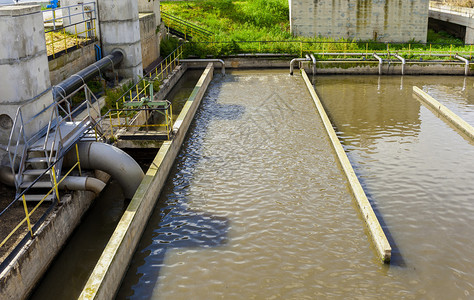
(383, 20)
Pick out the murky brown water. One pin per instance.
(256, 207)
(417, 170)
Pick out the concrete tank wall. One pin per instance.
(23, 67)
(381, 20)
(150, 39)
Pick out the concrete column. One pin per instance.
(150, 36)
(120, 28)
(469, 38)
(24, 69)
(152, 6)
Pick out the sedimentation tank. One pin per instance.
(256, 206)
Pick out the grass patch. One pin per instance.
(259, 26)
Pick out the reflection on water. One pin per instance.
(72, 267)
(457, 97)
(417, 169)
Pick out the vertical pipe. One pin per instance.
(380, 62)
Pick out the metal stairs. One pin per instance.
(40, 155)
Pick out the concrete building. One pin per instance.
(381, 20)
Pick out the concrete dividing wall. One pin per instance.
(384, 250)
(382, 20)
(451, 118)
(394, 68)
(29, 265)
(113, 263)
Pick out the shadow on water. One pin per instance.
(172, 225)
(72, 267)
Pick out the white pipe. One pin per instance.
(73, 183)
(314, 63)
(206, 60)
(380, 62)
(466, 68)
(87, 183)
(297, 60)
(118, 164)
(403, 62)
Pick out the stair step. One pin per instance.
(39, 184)
(39, 197)
(35, 172)
(37, 160)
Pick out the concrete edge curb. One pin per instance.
(107, 275)
(451, 117)
(382, 245)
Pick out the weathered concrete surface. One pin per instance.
(462, 16)
(150, 38)
(150, 6)
(384, 250)
(120, 29)
(383, 20)
(28, 266)
(113, 263)
(24, 67)
(341, 67)
(70, 63)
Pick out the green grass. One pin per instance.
(262, 26)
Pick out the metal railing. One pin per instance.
(127, 121)
(61, 112)
(69, 27)
(344, 49)
(22, 198)
(187, 29)
(156, 75)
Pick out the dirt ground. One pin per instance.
(12, 217)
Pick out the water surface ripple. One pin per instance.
(256, 206)
(417, 169)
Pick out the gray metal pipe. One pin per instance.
(206, 60)
(313, 59)
(72, 83)
(74, 183)
(297, 60)
(380, 62)
(87, 183)
(466, 68)
(118, 164)
(403, 62)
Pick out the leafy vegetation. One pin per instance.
(113, 94)
(259, 26)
